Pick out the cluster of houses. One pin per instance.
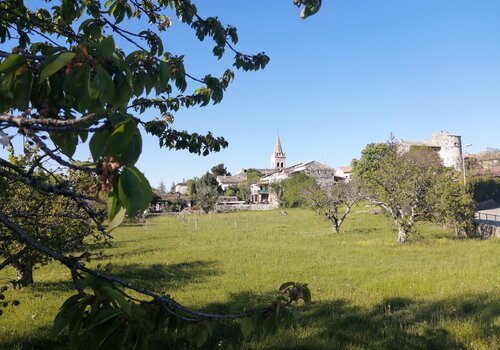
(260, 192)
(448, 146)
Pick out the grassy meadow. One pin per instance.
(369, 292)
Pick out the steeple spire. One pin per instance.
(277, 145)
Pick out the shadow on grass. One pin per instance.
(360, 230)
(52, 286)
(128, 254)
(159, 277)
(395, 323)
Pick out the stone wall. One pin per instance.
(486, 231)
(241, 207)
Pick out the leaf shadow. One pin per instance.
(394, 323)
(161, 277)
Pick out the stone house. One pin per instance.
(322, 173)
(181, 188)
(230, 181)
(447, 146)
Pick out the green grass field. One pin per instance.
(369, 292)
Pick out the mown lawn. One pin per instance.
(369, 292)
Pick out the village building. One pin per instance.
(226, 182)
(344, 172)
(181, 188)
(447, 146)
(322, 173)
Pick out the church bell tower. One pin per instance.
(278, 158)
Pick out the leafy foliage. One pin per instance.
(484, 188)
(452, 205)
(207, 191)
(294, 189)
(413, 184)
(367, 167)
(61, 223)
(220, 170)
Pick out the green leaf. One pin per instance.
(246, 326)
(131, 152)
(164, 75)
(107, 47)
(113, 205)
(121, 136)
(104, 334)
(134, 191)
(116, 212)
(198, 334)
(11, 63)
(76, 83)
(116, 119)
(56, 64)
(117, 219)
(98, 142)
(103, 315)
(22, 90)
(65, 312)
(310, 8)
(66, 141)
(102, 85)
(117, 299)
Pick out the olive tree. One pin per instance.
(74, 72)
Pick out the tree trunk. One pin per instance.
(402, 235)
(24, 273)
(335, 228)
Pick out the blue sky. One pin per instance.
(346, 77)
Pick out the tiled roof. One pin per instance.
(230, 179)
(346, 169)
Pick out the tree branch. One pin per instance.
(27, 122)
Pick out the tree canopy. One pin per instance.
(413, 184)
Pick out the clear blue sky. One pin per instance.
(348, 76)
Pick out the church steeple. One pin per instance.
(278, 158)
(277, 146)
